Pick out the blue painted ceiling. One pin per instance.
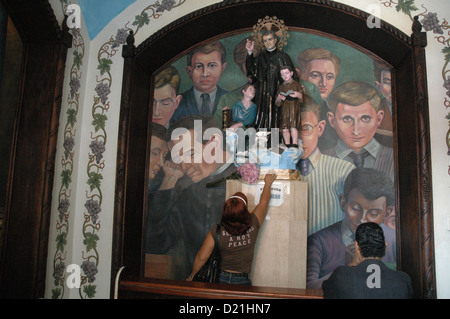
(98, 13)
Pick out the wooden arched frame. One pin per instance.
(415, 252)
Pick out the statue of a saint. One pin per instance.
(264, 72)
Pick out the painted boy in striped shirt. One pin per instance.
(324, 174)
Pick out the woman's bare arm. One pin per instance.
(202, 255)
(261, 209)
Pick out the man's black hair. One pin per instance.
(370, 239)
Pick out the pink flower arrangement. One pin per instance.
(249, 173)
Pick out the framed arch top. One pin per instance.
(359, 50)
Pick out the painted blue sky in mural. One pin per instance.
(98, 13)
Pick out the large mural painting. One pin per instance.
(341, 123)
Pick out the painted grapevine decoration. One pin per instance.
(96, 164)
(67, 164)
(98, 145)
(441, 31)
(95, 167)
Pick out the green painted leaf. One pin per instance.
(104, 66)
(446, 52)
(66, 178)
(406, 6)
(89, 290)
(77, 59)
(90, 241)
(71, 117)
(141, 19)
(94, 180)
(99, 121)
(61, 241)
(56, 293)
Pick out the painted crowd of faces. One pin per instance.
(353, 126)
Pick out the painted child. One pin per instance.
(244, 111)
(289, 97)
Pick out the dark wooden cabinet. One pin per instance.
(29, 191)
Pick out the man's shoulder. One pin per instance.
(221, 91)
(188, 93)
(390, 277)
(327, 232)
(339, 283)
(396, 274)
(344, 271)
(331, 151)
(333, 160)
(388, 231)
(403, 277)
(386, 151)
(281, 52)
(186, 100)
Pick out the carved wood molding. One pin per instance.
(65, 42)
(128, 53)
(419, 42)
(229, 3)
(137, 287)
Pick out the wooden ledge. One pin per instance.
(138, 287)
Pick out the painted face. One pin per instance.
(310, 132)
(286, 75)
(358, 209)
(250, 92)
(321, 72)
(194, 157)
(269, 42)
(385, 86)
(390, 219)
(355, 125)
(206, 70)
(165, 102)
(158, 153)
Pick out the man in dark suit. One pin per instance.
(205, 66)
(367, 277)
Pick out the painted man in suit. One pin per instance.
(205, 66)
